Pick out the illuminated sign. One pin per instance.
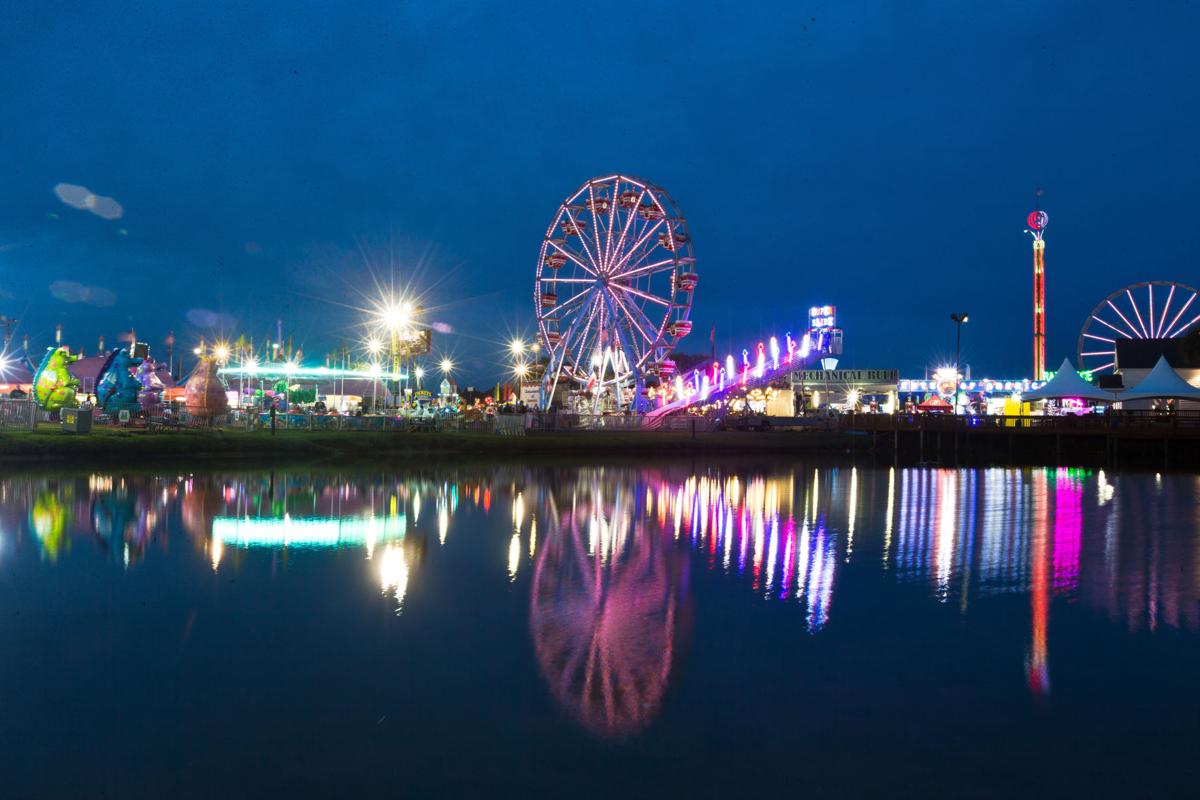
(851, 376)
(822, 317)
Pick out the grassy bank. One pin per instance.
(129, 445)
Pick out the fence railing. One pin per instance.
(18, 415)
(1114, 421)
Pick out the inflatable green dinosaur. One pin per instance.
(53, 385)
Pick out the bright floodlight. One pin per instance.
(221, 351)
(419, 372)
(374, 346)
(396, 315)
(447, 365)
(251, 365)
(521, 369)
(376, 369)
(516, 347)
(291, 366)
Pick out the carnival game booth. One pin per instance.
(1162, 384)
(1070, 391)
(935, 404)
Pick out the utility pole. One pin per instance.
(9, 323)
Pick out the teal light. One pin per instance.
(308, 532)
(276, 371)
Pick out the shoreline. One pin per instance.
(103, 447)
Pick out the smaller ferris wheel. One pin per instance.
(1146, 310)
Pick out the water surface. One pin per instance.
(655, 631)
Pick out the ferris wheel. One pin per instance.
(1146, 310)
(614, 285)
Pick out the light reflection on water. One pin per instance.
(606, 555)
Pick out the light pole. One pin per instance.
(958, 319)
(446, 365)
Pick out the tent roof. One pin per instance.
(1163, 382)
(935, 401)
(1067, 383)
(89, 367)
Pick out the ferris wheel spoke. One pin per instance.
(1166, 309)
(566, 345)
(634, 313)
(631, 361)
(1125, 320)
(648, 269)
(644, 295)
(1104, 366)
(632, 354)
(1183, 328)
(567, 303)
(630, 216)
(574, 258)
(583, 240)
(1138, 314)
(612, 211)
(1099, 338)
(595, 227)
(591, 281)
(1107, 324)
(584, 336)
(1150, 292)
(1171, 327)
(649, 231)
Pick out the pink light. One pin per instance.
(774, 353)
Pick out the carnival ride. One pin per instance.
(1145, 310)
(619, 249)
(117, 388)
(53, 385)
(771, 361)
(206, 396)
(1037, 221)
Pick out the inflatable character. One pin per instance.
(205, 397)
(53, 385)
(150, 395)
(117, 389)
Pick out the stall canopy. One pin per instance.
(1162, 383)
(1067, 383)
(935, 403)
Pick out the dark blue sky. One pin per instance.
(878, 156)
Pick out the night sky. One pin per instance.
(282, 160)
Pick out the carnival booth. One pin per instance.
(935, 404)
(1163, 383)
(1068, 388)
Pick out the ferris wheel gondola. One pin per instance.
(614, 285)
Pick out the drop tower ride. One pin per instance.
(1037, 227)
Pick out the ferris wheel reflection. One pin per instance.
(610, 609)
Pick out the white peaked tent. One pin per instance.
(1067, 383)
(1162, 383)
